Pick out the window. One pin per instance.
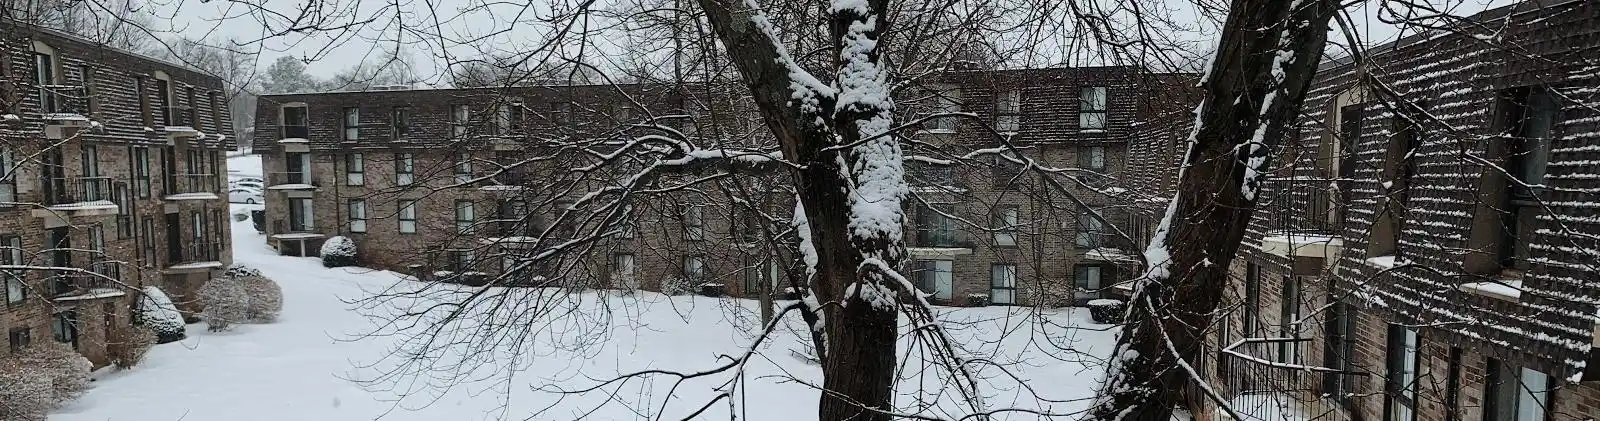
(1003, 284)
(400, 123)
(352, 124)
(19, 338)
(1339, 350)
(945, 101)
(934, 228)
(1535, 113)
(64, 327)
(1089, 281)
(1288, 318)
(1400, 402)
(194, 110)
(1005, 234)
(1008, 112)
(462, 260)
(622, 271)
(1252, 298)
(757, 272)
(464, 168)
(1092, 108)
(1090, 229)
(358, 215)
(928, 174)
(1452, 386)
(298, 165)
(694, 222)
(216, 110)
(560, 113)
(147, 240)
(300, 218)
(750, 226)
(8, 178)
(1092, 158)
(508, 118)
(1516, 393)
(460, 116)
(141, 171)
(124, 211)
(1399, 166)
(44, 77)
(15, 280)
(465, 217)
(355, 170)
(694, 269)
(403, 169)
(86, 76)
(294, 120)
(408, 216)
(936, 277)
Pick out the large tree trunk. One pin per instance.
(1266, 59)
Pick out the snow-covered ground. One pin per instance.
(309, 365)
(244, 165)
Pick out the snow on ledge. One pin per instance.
(294, 140)
(297, 236)
(93, 293)
(498, 187)
(1109, 254)
(196, 265)
(1104, 302)
(937, 251)
(65, 117)
(191, 196)
(296, 186)
(496, 240)
(92, 205)
(1509, 290)
(1385, 262)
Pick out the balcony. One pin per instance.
(1303, 219)
(292, 132)
(509, 231)
(193, 257)
(193, 187)
(179, 123)
(291, 180)
(80, 286)
(508, 180)
(66, 198)
(64, 110)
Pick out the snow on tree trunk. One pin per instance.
(1267, 57)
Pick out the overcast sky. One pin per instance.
(465, 27)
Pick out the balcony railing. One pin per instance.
(178, 116)
(60, 99)
(508, 226)
(296, 131)
(63, 282)
(195, 183)
(195, 252)
(65, 191)
(290, 177)
(1302, 206)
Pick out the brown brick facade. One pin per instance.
(94, 112)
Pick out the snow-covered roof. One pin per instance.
(191, 196)
(1509, 290)
(92, 294)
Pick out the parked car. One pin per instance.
(256, 180)
(245, 195)
(246, 184)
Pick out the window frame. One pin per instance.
(399, 122)
(356, 209)
(8, 178)
(1082, 289)
(945, 100)
(1093, 158)
(465, 217)
(935, 228)
(694, 222)
(460, 119)
(355, 169)
(694, 269)
(1003, 278)
(934, 273)
(1008, 111)
(1089, 109)
(16, 281)
(351, 124)
(405, 167)
(1008, 219)
(1090, 228)
(406, 214)
(1397, 403)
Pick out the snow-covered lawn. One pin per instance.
(303, 367)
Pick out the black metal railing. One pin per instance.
(942, 237)
(511, 178)
(508, 226)
(296, 131)
(1303, 206)
(64, 282)
(196, 183)
(178, 116)
(290, 177)
(196, 252)
(61, 99)
(70, 190)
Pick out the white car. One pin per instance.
(245, 195)
(256, 180)
(246, 184)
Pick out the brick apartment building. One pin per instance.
(1446, 263)
(405, 172)
(111, 176)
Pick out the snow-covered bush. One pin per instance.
(240, 271)
(39, 378)
(225, 303)
(977, 300)
(1106, 311)
(677, 286)
(338, 251)
(156, 312)
(265, 299)
(127, 347)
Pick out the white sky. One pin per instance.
(499, 27)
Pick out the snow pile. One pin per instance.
(338, 251)
(39, 378)
(240, 271)
(156, 312)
